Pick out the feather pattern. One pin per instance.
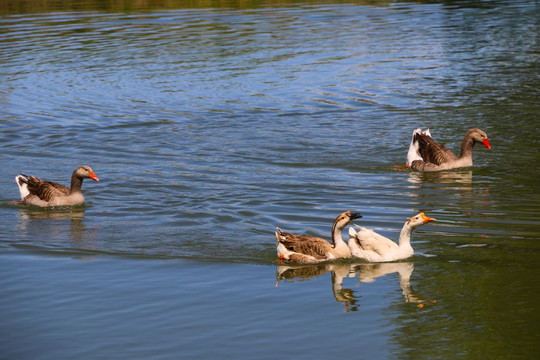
(432, 151)
(308, 245)
(46, 190)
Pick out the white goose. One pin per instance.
(368, 245)
(425, 154)
(42, 193)
(311, 249)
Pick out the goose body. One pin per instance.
(425, 154)
(37, 192)
(368, 245)
(312, 249)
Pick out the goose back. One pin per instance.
(305, 244)
(433, 152)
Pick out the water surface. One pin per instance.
(209, 126)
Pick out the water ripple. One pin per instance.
(209, 127)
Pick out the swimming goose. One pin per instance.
(42, 193)
(368, 245)
(427, 155)
(311, 249)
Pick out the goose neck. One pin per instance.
(336, 235)
(467, 146)
(76, 183)
(405, 235)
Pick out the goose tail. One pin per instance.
(22, 183)
(282, 251)
(414, 147)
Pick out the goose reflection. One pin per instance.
(368, 272)
(465, 194)
(34, 213)
(292, 273)
(365, 272)
(453, 179)
(57, 224)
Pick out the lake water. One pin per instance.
(212, 124)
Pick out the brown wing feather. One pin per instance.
(420, 165)
(305, 244)
(433, 152)
(46, 190)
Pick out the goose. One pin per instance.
(427, 155)
(311, 249)
(42, 193)
(368, 245)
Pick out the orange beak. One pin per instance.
(426, 218)
(93, 176)
(486, 143)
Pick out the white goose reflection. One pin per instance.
(366, 273)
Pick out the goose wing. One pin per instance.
(431, 151)
(305, 244)
(420, 165)
(46, 190)
(370, 240)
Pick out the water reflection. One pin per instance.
(68, 213)
(294, 273)
(365, 272)
(452, 179)
(60, 224)
(452, 192)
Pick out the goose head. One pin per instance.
(419, 220)
(344, 219)
(479, 136)
(84, 172)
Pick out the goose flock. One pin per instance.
(424, 155)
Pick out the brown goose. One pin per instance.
(42, 193)
(311, 249)
(427, 155)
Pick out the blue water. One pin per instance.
(210, 126)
